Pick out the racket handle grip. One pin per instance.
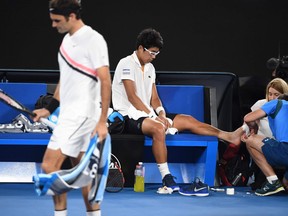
(48, 123)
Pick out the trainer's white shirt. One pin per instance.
(264, 128)
(79, 57)
(130, 68)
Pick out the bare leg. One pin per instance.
(60, 202)
(186, 122)
(85, 190)
(157, 131)
(232, 137)
(52, 161)
(254, 144)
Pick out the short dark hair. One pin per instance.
(65, 7)
(149, 38)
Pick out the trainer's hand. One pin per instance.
(40, 113)
(244, 137)
(253, 127)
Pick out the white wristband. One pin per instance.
(152, 115)
(159, 109)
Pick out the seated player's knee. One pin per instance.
(158, 134)
(158, 129)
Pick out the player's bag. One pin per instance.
(234, 166)
(116, 123)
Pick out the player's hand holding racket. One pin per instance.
(9, 100)
(40, 114)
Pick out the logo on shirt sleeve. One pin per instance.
(126, 71)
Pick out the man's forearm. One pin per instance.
(105, 98)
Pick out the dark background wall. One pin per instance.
(238, 36)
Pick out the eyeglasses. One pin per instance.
(151, 52)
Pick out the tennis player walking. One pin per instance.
(135, 96)
(84, 91)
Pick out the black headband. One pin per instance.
(64, 11)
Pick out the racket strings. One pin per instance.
(10, 100)
(115, 180)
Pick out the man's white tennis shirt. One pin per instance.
(79, 57)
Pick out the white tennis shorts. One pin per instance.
(72, 134)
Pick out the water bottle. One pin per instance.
(139, 178)
(236, 179)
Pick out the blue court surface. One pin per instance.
(21, 199)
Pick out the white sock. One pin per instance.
(163, 168)
(94, 213)
(272, 178)
(61, 213)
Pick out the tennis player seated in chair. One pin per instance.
(135, 96)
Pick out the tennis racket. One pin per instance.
(115, 180)
(10, 101)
